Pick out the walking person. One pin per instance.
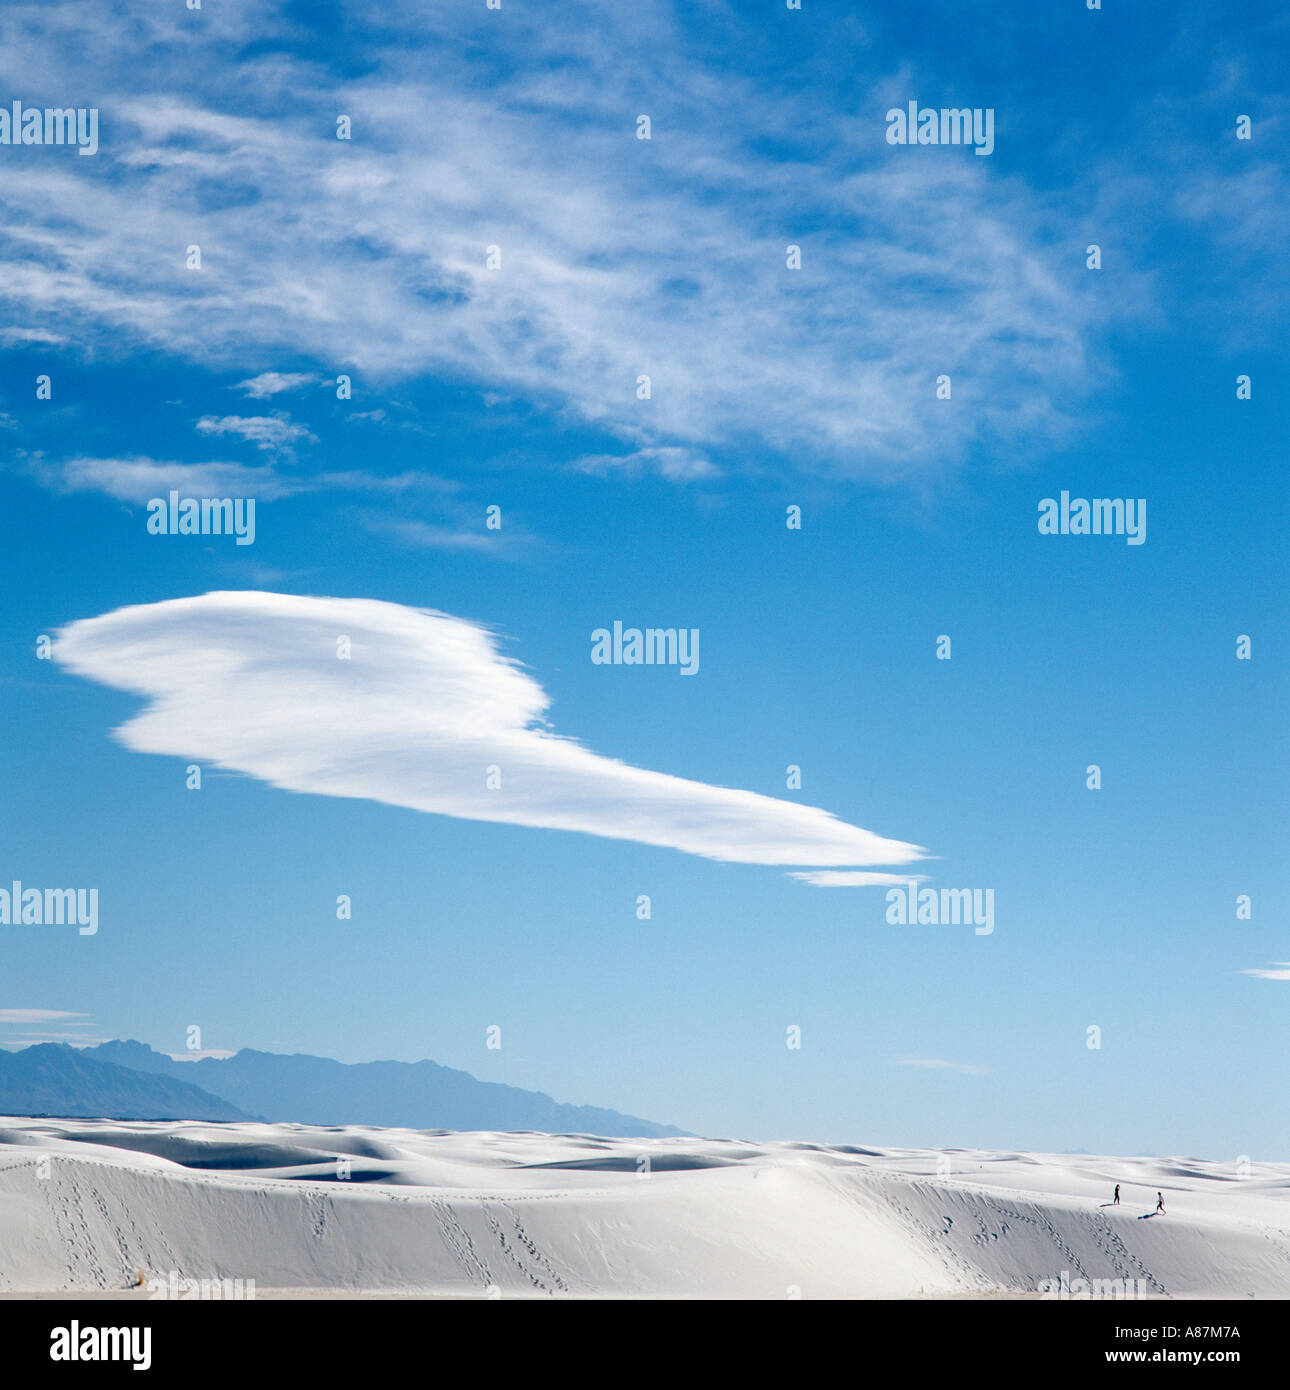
(1160, 1204)
(1115, 1201)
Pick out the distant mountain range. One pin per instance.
(129, 1080)
(55, 1079)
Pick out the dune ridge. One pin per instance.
(89, 1205)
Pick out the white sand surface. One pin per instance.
(87, 1205)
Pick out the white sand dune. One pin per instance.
(86, 1205)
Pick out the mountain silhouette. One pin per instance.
(412, 1095)
(57, 1080)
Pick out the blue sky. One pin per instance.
(517, 388)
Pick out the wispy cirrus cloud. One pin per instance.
(456, 527)
(140, 479)
(617, 258)
(424, 535)
(268, 384)
(452, 524)
(422, 715)
(276, 431)
(26, 337)
(669, 461)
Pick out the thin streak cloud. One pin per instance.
(1279, 970)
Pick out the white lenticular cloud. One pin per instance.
(422, 709)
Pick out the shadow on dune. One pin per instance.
(627, 1163)
(357, 1175)
(195, 1153)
